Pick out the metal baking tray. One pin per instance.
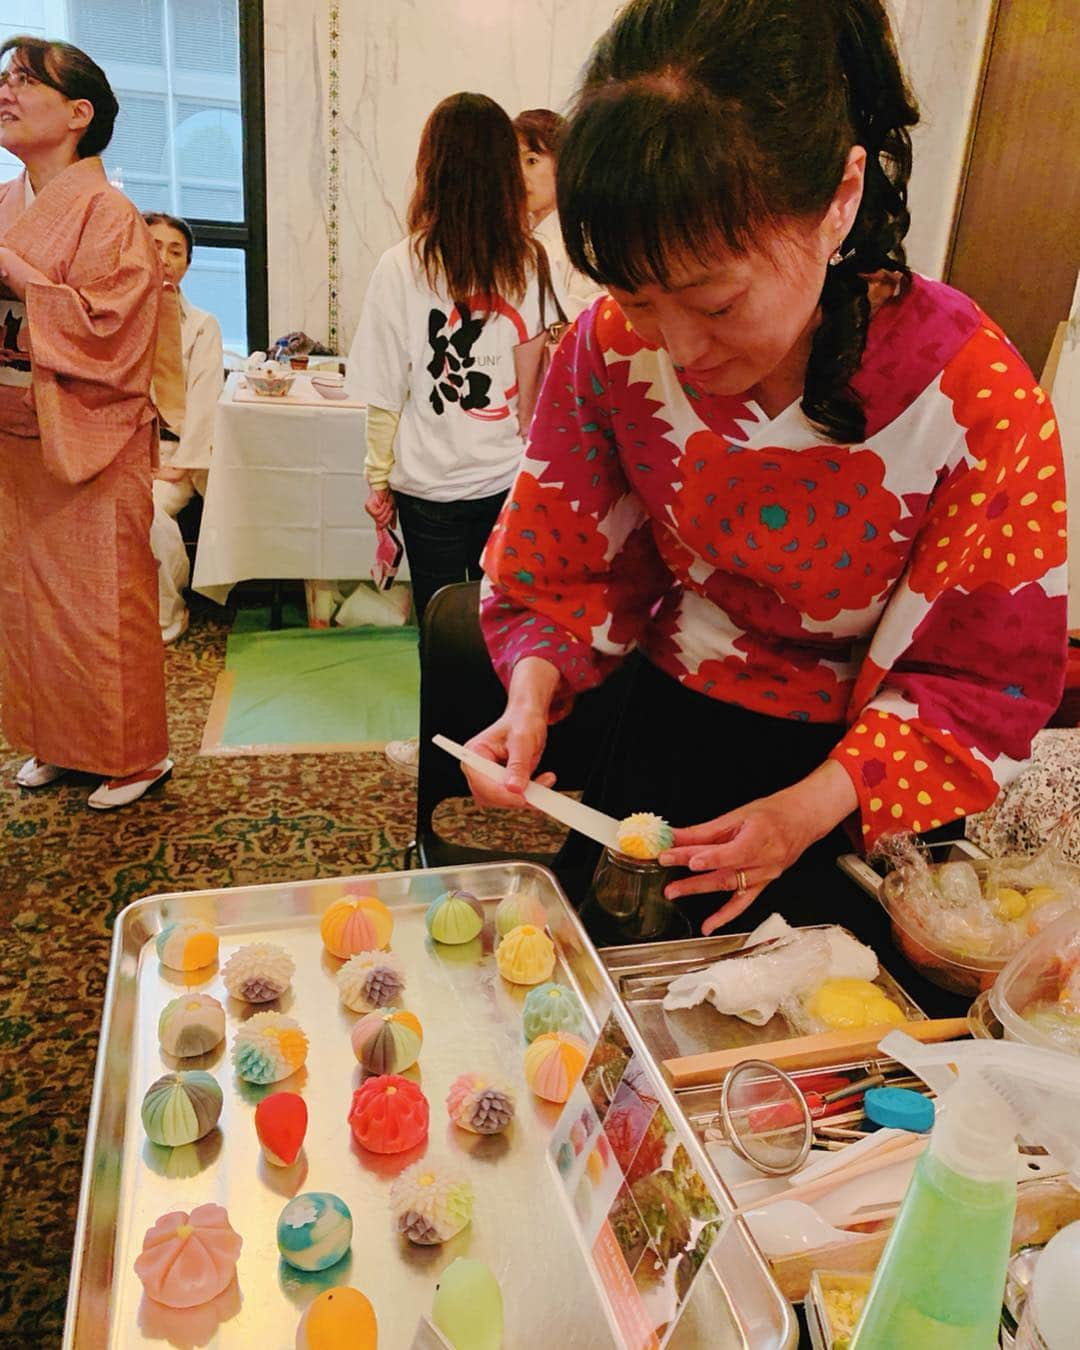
(643, 973)
(471, 1020)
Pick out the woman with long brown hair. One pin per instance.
(433, 354)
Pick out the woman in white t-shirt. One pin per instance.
(433, 354)
(539, 134)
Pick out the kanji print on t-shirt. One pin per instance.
(910, 587)
(453, 366)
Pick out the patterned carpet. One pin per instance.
(67, 871)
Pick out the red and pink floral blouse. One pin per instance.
(911, 586)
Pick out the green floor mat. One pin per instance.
(303, 690)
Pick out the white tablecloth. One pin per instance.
(285, 496)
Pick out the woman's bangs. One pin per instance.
(640, 198)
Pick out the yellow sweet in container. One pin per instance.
(843, 1004)
(1009, 903)
(1042, 895)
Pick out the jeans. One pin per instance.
(444, 541)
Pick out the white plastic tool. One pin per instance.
(585, 819)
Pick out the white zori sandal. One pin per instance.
(107, 796)
(35, 773)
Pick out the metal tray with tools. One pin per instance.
(522, 1226)
(643, 973)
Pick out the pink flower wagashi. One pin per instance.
(188, 1259)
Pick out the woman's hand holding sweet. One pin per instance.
(381, 508)
(745, 849)
(518, 738)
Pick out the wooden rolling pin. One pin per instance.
(806, 1052)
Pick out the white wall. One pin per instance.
(397, 61)
(941, 44)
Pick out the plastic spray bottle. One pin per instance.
(940, 1280)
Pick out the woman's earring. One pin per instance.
(836, 259)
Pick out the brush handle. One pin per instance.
(805, 1052)
(587, 821)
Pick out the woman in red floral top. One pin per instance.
(822, 497)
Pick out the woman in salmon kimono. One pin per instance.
(81, 664)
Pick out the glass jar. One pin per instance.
(631, 892)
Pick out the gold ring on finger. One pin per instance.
(740, 878)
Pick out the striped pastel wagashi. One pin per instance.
(339, 1319)
(454, 917)
(179, 1108)
(553, 1064)
(387, 1041)
(521, 906)
(356, 923)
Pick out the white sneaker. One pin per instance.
(35, 774)
(177, 629)
(404, 755)
(108, 795)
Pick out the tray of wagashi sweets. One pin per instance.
(381, 1111)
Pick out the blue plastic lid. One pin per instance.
(899, 1109)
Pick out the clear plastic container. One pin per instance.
(1027, 997)
(961, 973)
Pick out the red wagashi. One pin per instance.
(389, 1114)
(281, 1123)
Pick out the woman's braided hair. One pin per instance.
(700, 123)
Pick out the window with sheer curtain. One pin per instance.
(187, 74)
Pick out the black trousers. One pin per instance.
(444, 540)
(690, 758)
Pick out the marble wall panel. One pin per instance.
(942, 46)
(397, 61)
(296, 37)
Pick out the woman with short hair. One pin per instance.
(540, 132)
